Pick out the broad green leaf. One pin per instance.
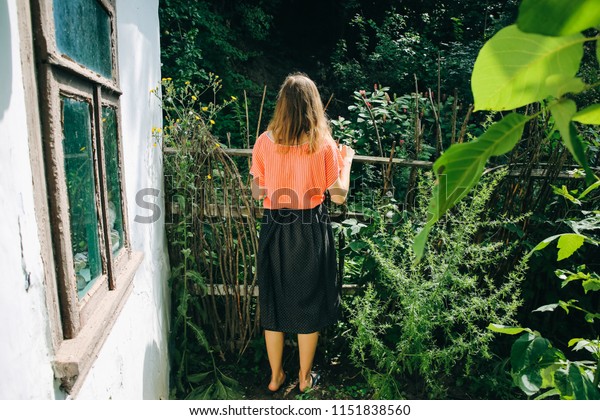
(589, 281)
(591, 317)
(581, 343)
(461, 166)
(503, 329)
(543, 244)
(568, 244)
(583, 388)
(522, 349)
(533, 361)
(221, 391)
(560, 84)
(591, 285)
(421, 238)
(562, 274)
(564, 192)
(589, 189)
(228, 380)
(513, 67)
(558, 17)
(589, 115)
(550, 393)
(530, 381)
(356, 228)
(566, 247)
(548, 365)
(200, 393)
(225, 392)
(547, 308)
(357, 245)
(589, 223)
(563, 384)
(566, 305)
(198, 377)
(563, 112)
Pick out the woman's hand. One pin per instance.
(339, 190)
(347, 152)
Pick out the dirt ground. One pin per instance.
(339, 379)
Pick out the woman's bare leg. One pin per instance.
(307, 346)
(274, 343)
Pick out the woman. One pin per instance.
(294, 163)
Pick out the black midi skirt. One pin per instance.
(299, 290)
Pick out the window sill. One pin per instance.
(75, 357)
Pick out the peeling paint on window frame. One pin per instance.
(78, 327)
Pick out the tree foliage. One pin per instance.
(515, 68)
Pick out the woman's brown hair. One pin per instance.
(299, 114)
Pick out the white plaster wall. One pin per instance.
(133, 363)
(25, 347)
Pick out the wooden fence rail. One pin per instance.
(538, 172)
(217, 212)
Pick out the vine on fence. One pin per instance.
(212, 253)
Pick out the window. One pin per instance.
(78, 82)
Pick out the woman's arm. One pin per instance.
(258, 193)
(339, 189)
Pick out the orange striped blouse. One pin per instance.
(294, 178)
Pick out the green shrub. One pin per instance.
(420, 328)
(538, 368)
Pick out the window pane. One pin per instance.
(113, 180)
(83, 33)
(79, 169)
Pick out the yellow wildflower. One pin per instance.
(204, 108)
(208, 176)
(197, 117)
(194, 98)
(212, 122)
(187, 82)
(154, 145)
(233, 98)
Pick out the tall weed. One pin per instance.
(420, 328)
